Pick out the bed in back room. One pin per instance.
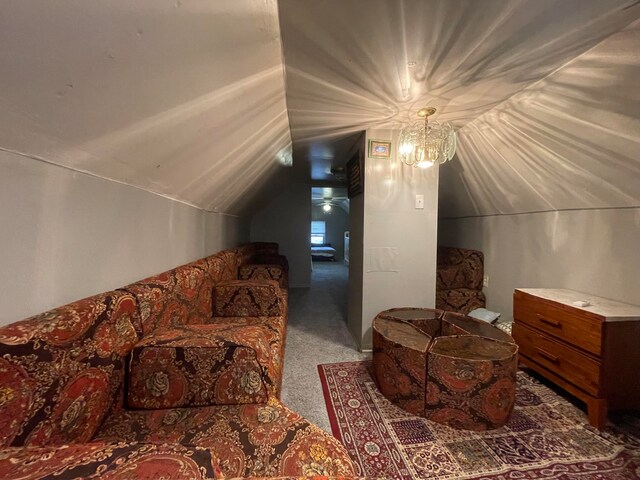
(323, 252)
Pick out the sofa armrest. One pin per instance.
(248, 298)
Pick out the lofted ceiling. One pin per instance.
(207, 101)
(184, 98)
(351, 67)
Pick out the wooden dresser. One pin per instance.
(593, 351)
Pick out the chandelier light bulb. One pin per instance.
(423, 144)
(326, 207)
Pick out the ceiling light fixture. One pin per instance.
(423, 144)
(326, 207)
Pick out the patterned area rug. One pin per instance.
(547, 437)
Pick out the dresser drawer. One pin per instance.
(573, 326)
(575, 367)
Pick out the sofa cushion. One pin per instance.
(460, 300)
(109, 461)
(264, 272)
(458, 276)
(278, 326)
(181, 296)
(459, 268)
(222, 267)
(249, 440)
(198, 365)
(250, 298)
(60, 370)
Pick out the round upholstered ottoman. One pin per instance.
(470, 382)
(401, 338)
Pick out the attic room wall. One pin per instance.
(66, 235)
(399, 240)
(286, 219)
(337, 222)
(592, 251)
(547, 185)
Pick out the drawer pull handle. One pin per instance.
(553, 323)
(547, 355)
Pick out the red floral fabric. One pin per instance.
(109, 461)
(471, 382)
(264, 272)
(249, 440)
(271, 259)
(177, 297)
(277, 340)
(62, 373)
(248, 298)
(442, 376)
(200, 365)
(400, 371)
(460, 300)
(231, 260)
(60, 370)
(459, 276)
(460, 268)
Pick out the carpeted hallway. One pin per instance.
(317, 334)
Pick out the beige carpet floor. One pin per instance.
(317, 334)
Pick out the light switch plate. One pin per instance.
(419, 201)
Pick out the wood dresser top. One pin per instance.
(610, 310)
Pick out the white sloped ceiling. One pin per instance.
(544, 122)
(570, 141)
(184, 98)
(188, 98)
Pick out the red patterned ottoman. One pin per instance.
(471, 382)
(449, 368)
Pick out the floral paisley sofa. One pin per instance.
(175, 376)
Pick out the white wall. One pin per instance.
(593, 251)
(395, 229)
(224, 231)
(286, 219)
(66, 235)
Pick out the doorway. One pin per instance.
(329, 238)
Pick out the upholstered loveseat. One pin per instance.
(174, 376)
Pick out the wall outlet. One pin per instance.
(485, 281)
(419, 201)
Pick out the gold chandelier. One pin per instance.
(423, 143)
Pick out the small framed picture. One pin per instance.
(379, 149)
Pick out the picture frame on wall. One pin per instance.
(355, 174)
(379, 149)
